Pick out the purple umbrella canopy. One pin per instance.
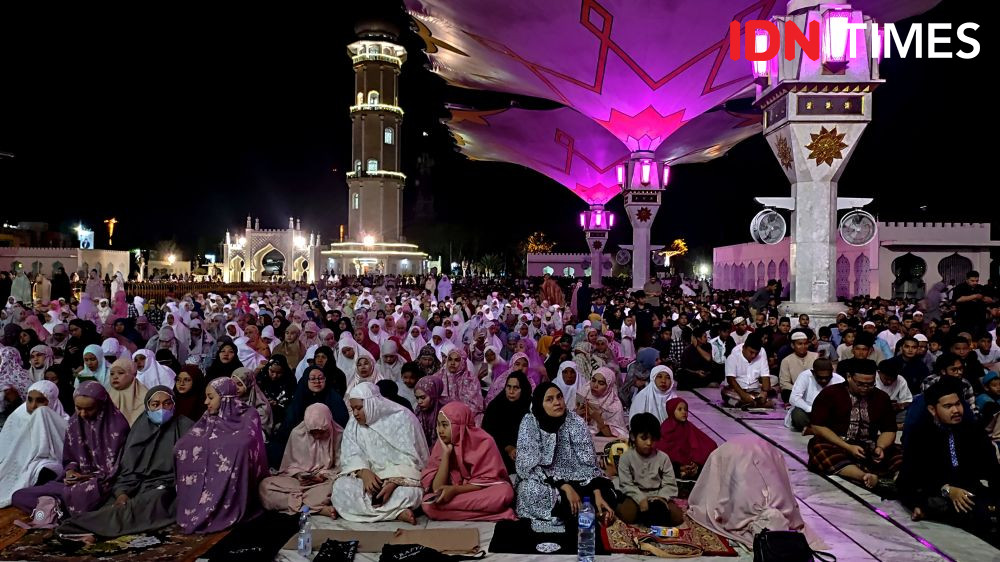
(642, 69)
(581, 154)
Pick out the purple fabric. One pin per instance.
(220, 463)
(433, 387)
(93, 447)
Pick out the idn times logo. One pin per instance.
(839, 39)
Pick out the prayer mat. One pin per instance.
(9, 532)
(776, 413)
(694, 540)
(256, 540)
(166, 545)
(516, 537)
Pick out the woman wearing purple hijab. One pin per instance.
(94, 444)
(429, 393)
(220, 463)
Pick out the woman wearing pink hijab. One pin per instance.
(308, 467)
(465, 478)
(461, 384)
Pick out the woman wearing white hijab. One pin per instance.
(383, 451)
(54, 321)
(440, 342)
(149, 372)
(347, 354)
(103, 311)
(414, 342)
(364, 370)
(112, 348)
(40, 358)
(653, 398)
(570, 382)
(377, 337)
(177, 319)
(32, 441)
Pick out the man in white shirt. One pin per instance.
(719, 343)
(889, 381)
(807, 387)
(740, 332)
(891, 335)
(748, 379)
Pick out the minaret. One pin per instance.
(375, 184)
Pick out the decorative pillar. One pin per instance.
(643, 180)
(596, 224)
(814, 113)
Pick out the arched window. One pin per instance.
(372, 97)
(372, 165)
(373, 49)
(357, 166)
(547, 270)
(387, 51)
(751, 277)
(388, 135)
(356, 200)
(361, 98)
(843, 278)
(569, 272)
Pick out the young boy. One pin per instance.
(889, 381)
(989, 356)
(991, 398)
(825, 348)
(646, 477)
(845, 349)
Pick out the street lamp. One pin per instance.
(171, 259)
(369, 240)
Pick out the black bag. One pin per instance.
(419, 553)
(786, 546)
(337, 551)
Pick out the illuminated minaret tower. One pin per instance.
(375, 183)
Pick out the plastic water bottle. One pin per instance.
(305, 544)
(586, 521)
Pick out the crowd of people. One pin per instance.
(473, 399)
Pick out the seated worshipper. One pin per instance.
(637, 375)
(504, 414)
(795, 363)
(390, 391)
(149, 371)
(743, 490)
(126, 392)
(363, 370)
(39, 360)
(585, 359)
(598, 405)
(381, 457)
(314, 388)
(410, 374)
(166, 358)
(94, 443)
(325, 359)
(461, 384)
(220, 463)
(988, 403)
(698, 368)
(950, 470)
(95, 368)
(653, 398)
(291, 346)
(895, 386)
(855, 429)
(518, 363)
(308, 467)
(226, 361)
(687, 446)
(248, 391)
(62, 377)
(646, 478)
(278, 384)
(909, 365)
(748, 379)
(429, 393)
(465, 478)
(807, 386)
(569, 382)
(142, 494)
(557, 466)
(31, 442)
(951, 365)
(428, 360)
(189, 393)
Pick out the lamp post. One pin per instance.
(596, 224)
(814, 114)
(643, 180)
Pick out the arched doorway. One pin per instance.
(843, 277)
(953, 268)
(862, 279)
(909, 271)
(272, 264)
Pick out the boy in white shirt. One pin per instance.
(889, 381)
(748, 379)
(806, 388)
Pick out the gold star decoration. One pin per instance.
(826, 146)
(784, 153)
(643, 214)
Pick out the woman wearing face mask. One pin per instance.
(217, 479)
(307, 467)
(93, 447)
(31, 443)
(143, 496)
(126, 392)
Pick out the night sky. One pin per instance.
(181, 123)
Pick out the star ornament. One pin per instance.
(643, 214)
(826, 146)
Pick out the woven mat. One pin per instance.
(9, 532)
(168, 545)
(621, 538)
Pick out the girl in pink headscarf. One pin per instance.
(308, 467)
(465, 478)
(461, 384)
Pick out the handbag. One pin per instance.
(786, 546)
(46, 515)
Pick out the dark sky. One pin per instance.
(179, 123)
